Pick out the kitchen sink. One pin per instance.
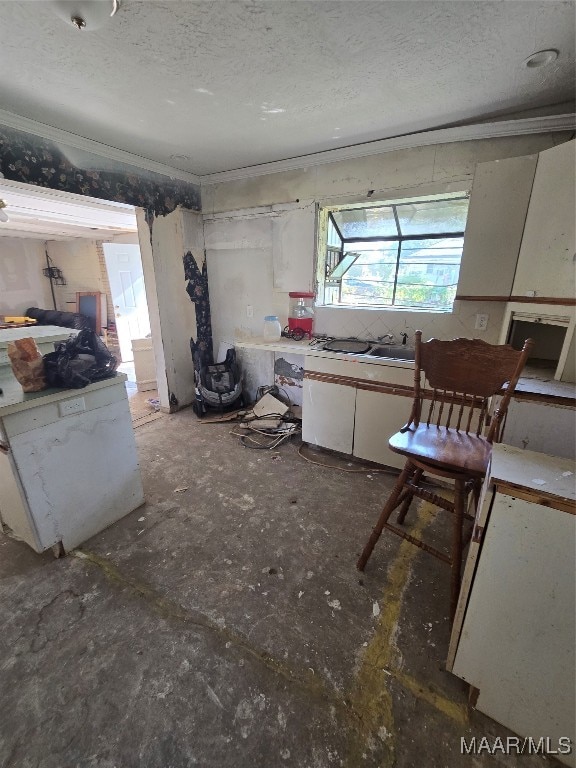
(395, 352)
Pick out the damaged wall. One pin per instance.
(22, 283)
(249, 257)
(176, 239)
(254, 259)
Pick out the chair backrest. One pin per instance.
(460, 376)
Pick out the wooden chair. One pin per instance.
(444, 437)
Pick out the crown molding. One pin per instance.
(479, 131)
(59, 136)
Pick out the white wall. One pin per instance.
(241, 273)
(254, 259)
(22, 283)
(79, 261)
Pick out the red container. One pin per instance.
(301, 315)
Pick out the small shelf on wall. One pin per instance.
(92, 304)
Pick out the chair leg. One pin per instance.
(406, 504)
(389, 507)
(456, 558)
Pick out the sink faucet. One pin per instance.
(389, 336)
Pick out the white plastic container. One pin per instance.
(272, 328)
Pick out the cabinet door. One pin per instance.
(498, 204)
(517, 643)
(378, 417)
(14, 513)
(546, 261)
(540, 427)
(328, 415)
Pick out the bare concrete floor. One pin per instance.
(224, 624)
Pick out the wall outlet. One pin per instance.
(68, 407)
(481, 322)
(249, 310)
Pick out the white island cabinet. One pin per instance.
(513, 637)
(68, 462)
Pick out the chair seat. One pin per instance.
(445, 448)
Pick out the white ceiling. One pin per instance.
(232, 84)
(45, 214)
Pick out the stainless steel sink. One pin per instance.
(392, 351)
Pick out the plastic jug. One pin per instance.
(272, 328)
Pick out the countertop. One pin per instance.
(14, 399)
(531, 387)
(545, 388)
(533, 471)
(291, 347)
(40, 333)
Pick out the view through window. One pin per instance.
(405, 254)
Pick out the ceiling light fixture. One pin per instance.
(541, 58)
(86, 15)
(3, 216)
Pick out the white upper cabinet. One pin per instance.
(546, 262)
(293, 249)
(498, 203)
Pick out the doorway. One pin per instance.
(50, 232)
(126, 279)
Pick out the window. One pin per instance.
(401, 254)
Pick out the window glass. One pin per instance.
(370, 280)
(428, 272)
(432, 217)
(372, 261)
(366, 222)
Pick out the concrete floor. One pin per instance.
(224, 624)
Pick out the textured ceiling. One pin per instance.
(233, 84)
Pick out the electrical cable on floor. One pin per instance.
(366, 470)
(268, 438)
(251, 441)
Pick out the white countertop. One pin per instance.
(40, 333)
(534, 471)
(291, 347)
(13, 399)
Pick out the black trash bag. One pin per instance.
(79, 361)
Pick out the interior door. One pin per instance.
(124, 267)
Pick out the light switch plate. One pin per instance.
(75, 405)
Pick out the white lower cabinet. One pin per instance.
(378, 417)
(514, 634)
(354, 408)
(328, 415)
(68, 464)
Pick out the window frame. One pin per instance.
(326, 218)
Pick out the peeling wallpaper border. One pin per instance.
(30, 159)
